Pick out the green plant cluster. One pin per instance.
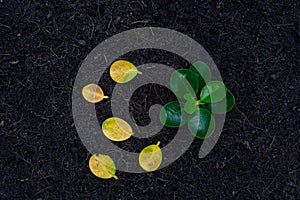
(201, 98)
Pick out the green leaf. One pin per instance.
(202, 71)
(189, 96)
(171, 115)
(183, 81)
(190, 106)
(201, 123)
(223, 106)
(213, 91)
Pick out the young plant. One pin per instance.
(214, 98)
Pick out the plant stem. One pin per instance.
(158, 143)
(115, 177)
(199, 102)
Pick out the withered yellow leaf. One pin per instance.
(122, 71)
(93, 93)
(116, 129)
(102, 166)
(150, 157)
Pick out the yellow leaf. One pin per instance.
(122, 71)
(93, 93)
(116, 129)
(150, 157)
(102, 166)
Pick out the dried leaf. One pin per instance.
(122, 71)
(102, 166)
(93, 93)
(116, 129)
(150, 157)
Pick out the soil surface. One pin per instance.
(255, 45)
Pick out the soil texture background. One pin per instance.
(255, 45)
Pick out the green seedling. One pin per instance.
(198, 110)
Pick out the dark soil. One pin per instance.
(255, 45)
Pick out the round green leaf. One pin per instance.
(189, 96)
(202, 71)
(213, 91)
(184, 81)
(201, 123)
(223, 106)
(171, 115)
(190, 106)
